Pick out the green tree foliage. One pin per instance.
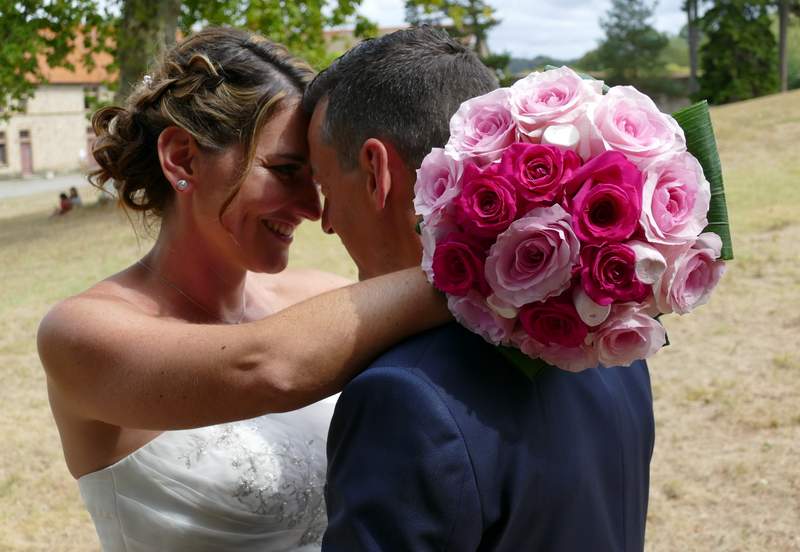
(631, 51)
(740, 58)
(298, 24)
(136, 31)
(31, 30)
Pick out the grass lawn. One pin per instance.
(725, 473)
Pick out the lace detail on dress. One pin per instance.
(282, 479)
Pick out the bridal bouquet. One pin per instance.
(562, 221)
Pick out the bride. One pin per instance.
(173, 382)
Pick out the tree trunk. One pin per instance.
(694, 39)
(783, 10)
(147, 27)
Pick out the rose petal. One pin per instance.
(650, 264)
(590, 312)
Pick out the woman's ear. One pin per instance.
(177, 150)
(373, 159)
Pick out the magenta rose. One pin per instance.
(539, 171)
(472, 312)
(628, 335)
(482, 128)
(629, 122)
(675, 202)
(534, 258)
(458, 265)
(487, 203)
(437, 182)
(554, 322)
(608, 202)
(688, 282)
(608, 274)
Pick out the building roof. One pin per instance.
(81, 74)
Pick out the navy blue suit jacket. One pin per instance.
(442, 445)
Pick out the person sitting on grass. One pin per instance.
(74, 197)
(64, 205)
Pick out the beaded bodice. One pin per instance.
(250, 485)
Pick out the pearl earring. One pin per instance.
(182, 185)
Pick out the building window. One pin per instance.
(25, 135)
(3, 156)
(91, 95)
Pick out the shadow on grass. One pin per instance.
(34, 226)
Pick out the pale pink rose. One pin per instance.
(482, 128)
(629, 122)
(628, 335)
(675, 202)
(472, 312)
(571, 359)
(437, 182)
(533, 259)
(433, 229)
(689, 280)
(555, 97)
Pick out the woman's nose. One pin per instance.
(309, 203)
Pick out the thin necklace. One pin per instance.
(192, 301)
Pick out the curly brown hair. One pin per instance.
(220, 85)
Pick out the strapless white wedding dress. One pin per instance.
(250, 485)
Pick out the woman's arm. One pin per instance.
(123, 368)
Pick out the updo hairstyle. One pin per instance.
(220, 85)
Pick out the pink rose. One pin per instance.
(555, 97)
(628, 335)
(629, 122)
(689, 280)
(675, 201)
(533, 259)
(437, 182)
(571, 359)
(608, 274)
(538, 171)
(472, 312)
(487, 203)
(608, 204)
(554, 322)
(458, 265)
(482, 128)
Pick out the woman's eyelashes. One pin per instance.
(288, 170)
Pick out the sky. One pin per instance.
(564, 29)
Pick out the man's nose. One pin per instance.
(326, 219)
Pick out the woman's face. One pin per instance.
(277, 193)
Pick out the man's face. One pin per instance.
(347, 210)
(369, 206)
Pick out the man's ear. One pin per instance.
(177, 151)
(373, 159)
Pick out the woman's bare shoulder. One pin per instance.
(82, 320)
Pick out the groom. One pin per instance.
(440, 444)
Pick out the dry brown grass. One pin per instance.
(727, 392)
(725, 473)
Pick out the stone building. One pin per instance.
(52, 132)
